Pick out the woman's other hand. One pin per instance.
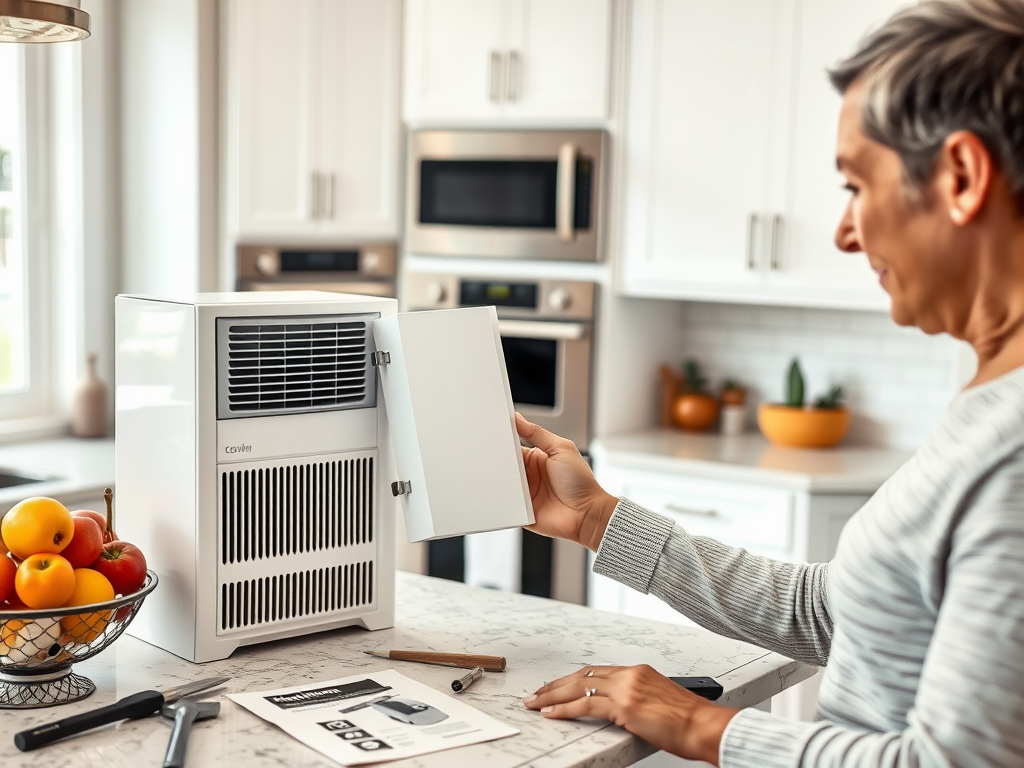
(567, 501)
(645, 703)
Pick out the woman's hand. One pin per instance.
(645, 703)
(567, 501)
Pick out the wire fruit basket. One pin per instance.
(38, 648)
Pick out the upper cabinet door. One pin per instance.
(454, 59)
(457, 453)
(698, 143)
(556, 61)
(807, 267)
(311, 120)
(361, 45)
(273, 132)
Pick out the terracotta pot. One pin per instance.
(803, 427)
(694, 412)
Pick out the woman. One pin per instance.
(920, 615)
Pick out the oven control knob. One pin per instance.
(266, 263)
(559, 299)
(436, 292)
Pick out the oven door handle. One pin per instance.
(565, 193)
(531, 329)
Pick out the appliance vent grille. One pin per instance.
(286, 510)
(294, 365)
(295, 595)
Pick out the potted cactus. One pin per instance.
(693, 408)
(794, 424)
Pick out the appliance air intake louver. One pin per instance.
(294, 365)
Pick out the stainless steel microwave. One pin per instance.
(505, 194)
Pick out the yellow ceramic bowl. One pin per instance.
(803, 427)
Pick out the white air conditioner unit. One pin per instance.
(254, 456)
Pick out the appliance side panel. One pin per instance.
(155, 461)
(394, 381)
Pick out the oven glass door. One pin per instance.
(548, 366)
(532, 366)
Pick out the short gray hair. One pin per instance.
(943, 66)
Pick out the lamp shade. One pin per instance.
(33, 21)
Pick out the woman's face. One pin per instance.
(910, 243)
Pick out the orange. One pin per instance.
(90, 587)
(44, 581)
(7, 571)
(37, 525)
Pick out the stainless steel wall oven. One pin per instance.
(546, 329)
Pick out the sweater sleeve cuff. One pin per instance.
(632, 545)
(755, 739)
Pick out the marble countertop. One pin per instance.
(73, 470)
(749, 458)
(542, 639)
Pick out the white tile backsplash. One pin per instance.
(897, 380)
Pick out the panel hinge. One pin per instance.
(380, 358)
(400, 487)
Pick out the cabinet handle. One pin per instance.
(565, 193)
(314, 198)
(751, 233)
(692, 512)
(494, 77)
(776, 226)
(512, 77)
(330, 196)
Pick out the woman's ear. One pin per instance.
(964, 176)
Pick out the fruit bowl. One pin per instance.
(37, 648)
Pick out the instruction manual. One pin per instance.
(372, 717)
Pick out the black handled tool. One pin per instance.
(130, 707)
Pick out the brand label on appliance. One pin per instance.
(238, 449)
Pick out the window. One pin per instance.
(26, 352)
(12, 194)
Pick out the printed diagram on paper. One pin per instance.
(373, 717)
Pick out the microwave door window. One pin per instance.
(518, 194)
(532, 366)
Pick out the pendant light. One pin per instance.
(34, 21)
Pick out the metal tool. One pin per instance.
(131, 707)
(184, 712)
(467, 679)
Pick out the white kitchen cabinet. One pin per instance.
(506, 60)
(311, 121)
(731, 192)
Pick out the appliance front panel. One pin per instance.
(506, 194)
(452, 423)
(296, 541)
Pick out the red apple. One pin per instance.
(123, 564)
(86, 543)
(7, 571)
(97, 517)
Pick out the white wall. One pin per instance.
(898, 380)
(169, 129)
(101, 192)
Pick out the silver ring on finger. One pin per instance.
(590, 673)
(591, 691)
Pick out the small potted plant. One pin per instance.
(733, 398)
(694, 409)
(797, 425)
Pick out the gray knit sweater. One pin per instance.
(919, 616)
